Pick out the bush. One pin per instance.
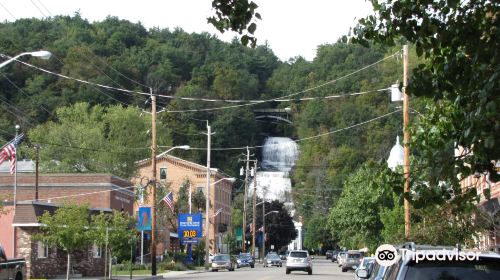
(170, 265)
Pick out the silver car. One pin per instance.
(341, 258)
(352, 260)
(272, 259)
(222, 261)
(299, 260)
(367, 263)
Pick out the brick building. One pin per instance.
(174, 171)
(102, 192)
(490, 239)
(42, 260)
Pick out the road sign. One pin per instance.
(190, 227)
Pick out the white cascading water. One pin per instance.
(279, 154)
(273, 182)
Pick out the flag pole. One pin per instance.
(15, 193)
(15, 167)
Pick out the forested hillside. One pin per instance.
(84, 128)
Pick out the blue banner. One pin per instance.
(144, 221)
(190, 227)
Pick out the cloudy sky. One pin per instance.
(290, 27)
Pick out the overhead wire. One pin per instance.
(7, 10)
(89, 60)
(301, 139)
(246, 102)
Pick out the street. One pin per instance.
(322, 269)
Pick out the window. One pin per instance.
(43, 250)
(96, 251)
(200, 189)
(163, 173)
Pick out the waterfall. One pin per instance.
(279, 154)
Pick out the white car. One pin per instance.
(299, 260)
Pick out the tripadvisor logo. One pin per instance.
(386, 255)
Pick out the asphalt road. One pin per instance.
(322, 269)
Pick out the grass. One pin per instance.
(135, 272)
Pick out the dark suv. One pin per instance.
(329, 254)
(413, 266)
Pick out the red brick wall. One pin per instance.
(91, 189)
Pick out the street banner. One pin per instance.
(144, 221)
(190, 227)
(239, 234)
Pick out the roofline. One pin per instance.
(27, 225)
(201, 167)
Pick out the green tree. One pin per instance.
(114, 232)
(93, 139)
(460, 74)
(67, 229)
(317, 234)
(236, 15)
(280, 229)
(355, 219)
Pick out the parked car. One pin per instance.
(283, 255)
(486, 266)
(245, 259)
(299, 260)
(272, 259)
(366, 263)
(341, 258)
(329, 254)
(352, 260)
(14, 269)
(334, 255)
(222, 261)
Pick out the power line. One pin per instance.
(7, 10)
(246, 102)
(302, 139)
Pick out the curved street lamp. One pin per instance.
(41, 54)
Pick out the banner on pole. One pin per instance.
(144, 221)
(239, 234)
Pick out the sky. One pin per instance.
(290, 27)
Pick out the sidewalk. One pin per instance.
(159, 276)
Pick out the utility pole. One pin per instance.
(406, 120)
(254, 207)
(243, 245)
(153, 182)
(207, 200)
(37, 159)
(263, 223)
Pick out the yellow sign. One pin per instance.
(189, 233)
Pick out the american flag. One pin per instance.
(9, 151)
(169, 200)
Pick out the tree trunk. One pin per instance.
(69, 266)
(110, 264)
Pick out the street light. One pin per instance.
(41, 54)
(207, 206)
(264, 229)
(153, 207)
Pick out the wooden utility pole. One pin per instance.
(406, 121)
(153, 182)
(243, 231)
